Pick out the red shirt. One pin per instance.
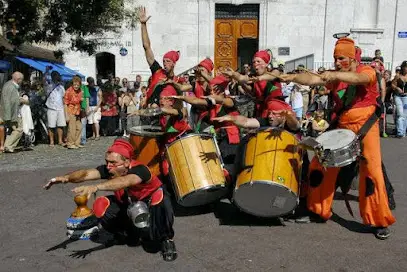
(142, 190)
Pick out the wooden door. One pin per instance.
(225, 43)
(227, 33)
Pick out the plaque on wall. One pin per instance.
(284, 51)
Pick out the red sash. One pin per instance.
(142, 190)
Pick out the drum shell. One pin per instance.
(147, 150)
(196, 170)
(268, 185)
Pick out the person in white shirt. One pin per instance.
(55, 106)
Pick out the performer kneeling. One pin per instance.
(131, 181)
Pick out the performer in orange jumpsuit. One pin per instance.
(362, 95)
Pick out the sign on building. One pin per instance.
(403, 34)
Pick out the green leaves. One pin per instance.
(49, 20)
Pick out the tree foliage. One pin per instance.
(49, 20)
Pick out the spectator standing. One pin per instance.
(10, 104)
(132, 102)
(95, 101)
(55, 106)
(109, 110)
(73, 99)
(400, 100)
(84, 112)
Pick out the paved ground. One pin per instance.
(216, 239)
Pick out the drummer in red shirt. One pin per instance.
(260, 89)
(160, 76)
(360, 104)
(279, 115)
(130, 180)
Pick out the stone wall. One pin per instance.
(302, 25)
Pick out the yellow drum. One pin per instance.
(196, 170)
(267, 185)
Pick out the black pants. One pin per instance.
(161, 219)
(109, 125)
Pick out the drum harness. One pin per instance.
(352, 169)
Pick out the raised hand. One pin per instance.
(142, 14)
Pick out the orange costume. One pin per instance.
(373, 203)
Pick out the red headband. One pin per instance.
(122, 147)
(221, 81)
(172, 55)
(277, 105)
(207, 64)
(264, 55)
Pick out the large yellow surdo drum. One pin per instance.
(196, 170)
(268, 184)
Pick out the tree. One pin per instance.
(49, 20)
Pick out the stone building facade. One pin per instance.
(290, 28)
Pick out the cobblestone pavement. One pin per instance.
(44, 156)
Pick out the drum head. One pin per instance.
(203, 196)
(146, 130)
(337, 138)
(265, 199)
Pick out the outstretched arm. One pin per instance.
(192, 100)
(144, 36)
(75, 177)
(239, 120)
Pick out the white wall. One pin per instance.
(188, 26)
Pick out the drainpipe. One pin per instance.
(394, 36)
(323, 44)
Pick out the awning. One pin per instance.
(66, 73)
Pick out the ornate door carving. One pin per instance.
(225, 43)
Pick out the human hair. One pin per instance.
(402, 68)
(90, 80)
(77, 79)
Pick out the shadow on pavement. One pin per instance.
(351, 225)
(228, 214)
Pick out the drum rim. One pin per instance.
(338, 129)
(296, 196)
(263, 129)
(188, 136)
(220, 186)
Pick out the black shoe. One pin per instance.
(169, 251)
(382, 233)
(392, 202)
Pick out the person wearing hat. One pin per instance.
(259, 88)
(161, 76)
(279, 114)
(359, 104)
(131, 181)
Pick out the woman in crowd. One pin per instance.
(72, 100)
